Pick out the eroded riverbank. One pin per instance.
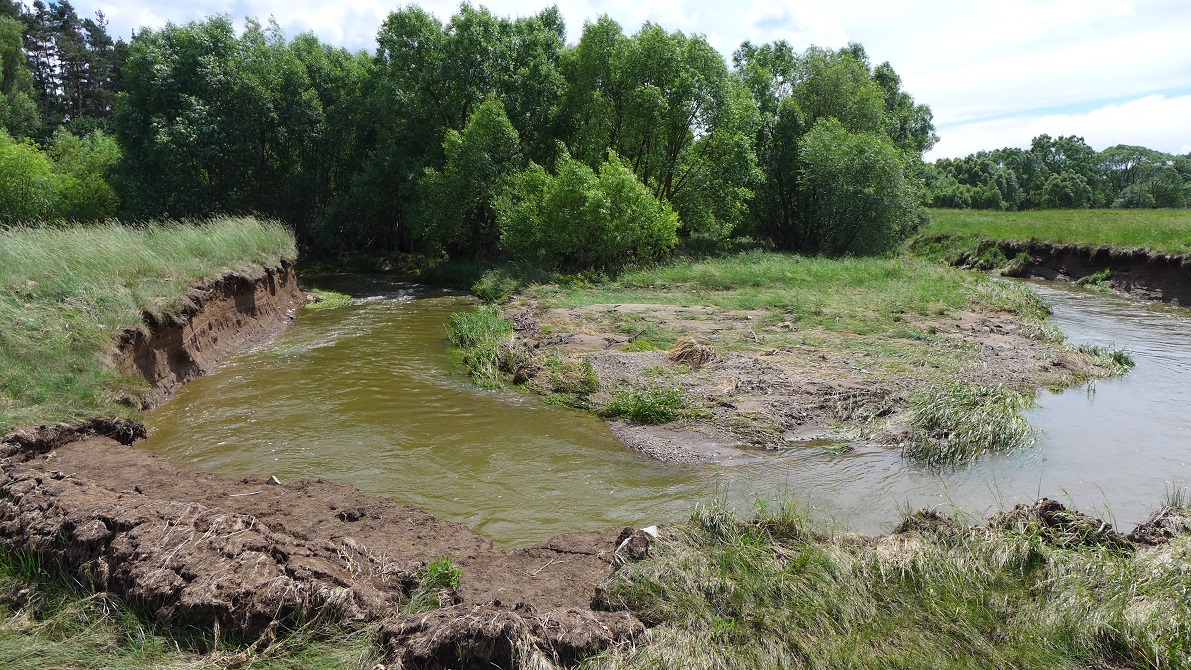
(96, 507)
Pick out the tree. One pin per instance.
(213, 122)
(83, 166)
(18, 111)
(835, 92)
(582, 219)
(457, 211)
(854, 198)
(27, 182)
(667, 104)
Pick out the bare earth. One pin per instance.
(776, 387)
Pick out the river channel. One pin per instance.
(372, 395)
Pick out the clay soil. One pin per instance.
(779, 386)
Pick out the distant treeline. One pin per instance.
(481, 136)
(1061, 172)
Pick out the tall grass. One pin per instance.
(483, 337)
(957, 422)
(767, 591)
(66, 291)
(1163, 230)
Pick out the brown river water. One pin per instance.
(372, 395)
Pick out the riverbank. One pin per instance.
(231, 569)
(723, 359)
(72, 297)
(1146, 253)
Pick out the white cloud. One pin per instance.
(1153, 121)
(971, 62)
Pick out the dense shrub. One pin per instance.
(856, 199)
(66, 182)
(582, 219)
(27, 182)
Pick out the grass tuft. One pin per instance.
(652, 406)
(435, 582)
(958, 422)
(483, 335)
(329, 300)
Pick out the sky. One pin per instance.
(995, 74)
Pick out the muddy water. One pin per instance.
(370, 394)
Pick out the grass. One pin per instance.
(325, 299)
(66, 291)
(865, 296)
(771, 591)
(650, 406)
(958, 422)
(483, 336)
(1162, 230)
(435, 578)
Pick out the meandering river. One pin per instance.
(371, 395)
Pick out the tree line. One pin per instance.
(478, 137)
(1061, 172)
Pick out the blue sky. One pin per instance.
(995, 73)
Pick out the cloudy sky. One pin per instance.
(995, 73)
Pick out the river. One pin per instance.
(372, 395)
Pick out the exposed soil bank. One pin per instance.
(245, 556)
(197, 549)
(219, 317)
(1144, 274)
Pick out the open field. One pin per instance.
(1161, 230)
(65, 293)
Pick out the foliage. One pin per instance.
(807, 103)
(18, 111)
(958, 422)
(83, 166)
(27, 182)
(580, 219)
(66, 291)
(857, 199)
(457, 211)
(72, 71)
(1061, 173)
(667, 104)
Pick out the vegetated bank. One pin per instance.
(317, 575)
(710, 358)
(106, 320)
(1146, 253)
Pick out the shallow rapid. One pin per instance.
(372, 395)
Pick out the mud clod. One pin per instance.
(1058, 525)
(1163, 526)
(497, 635)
